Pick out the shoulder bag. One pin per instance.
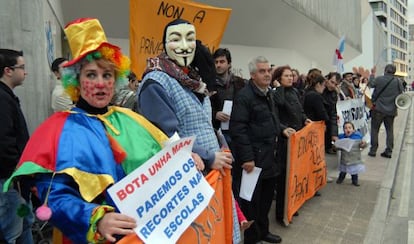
(371, 105)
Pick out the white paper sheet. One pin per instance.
(172, 139)
(227, 106)
(248, 183)
(345, 144)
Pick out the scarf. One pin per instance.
(187, 76)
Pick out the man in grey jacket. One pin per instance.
(387, 88)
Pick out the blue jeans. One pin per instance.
(13, 228)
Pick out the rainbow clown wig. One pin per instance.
(88, 42)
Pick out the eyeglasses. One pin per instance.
(18, 67)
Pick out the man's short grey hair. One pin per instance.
(255, 61)
(390, 69)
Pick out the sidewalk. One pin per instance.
(345, 213)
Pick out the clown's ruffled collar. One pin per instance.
(188, 76)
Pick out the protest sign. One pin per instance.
(148, 19)
(165, 195)
(306, 167)
(215, 223)
(353, 110)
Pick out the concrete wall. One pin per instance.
(242, 55)
(338, 17)
(311, 28)
(31, 26)
(122, 43)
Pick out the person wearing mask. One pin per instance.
(173, 96)
(14, 228)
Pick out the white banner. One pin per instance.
(353, 110)
(165, 195)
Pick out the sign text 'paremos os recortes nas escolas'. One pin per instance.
(165, 195)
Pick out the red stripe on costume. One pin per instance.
(41, 150)
(117, 150)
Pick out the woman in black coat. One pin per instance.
(291, 115)
(313, 103)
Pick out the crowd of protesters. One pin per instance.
(185, 94)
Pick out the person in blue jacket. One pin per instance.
(351, 162)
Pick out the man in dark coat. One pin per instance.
(227, 85)
(387, 88)
(330, 96)
(254, 127)
(13, 138)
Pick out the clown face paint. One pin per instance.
(97, 84)
(180, 43)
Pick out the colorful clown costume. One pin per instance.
(78, 156)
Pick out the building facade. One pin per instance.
(392, 14)
(410, 77)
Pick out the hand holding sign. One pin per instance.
(222, 160)
(115, 224)
(165, 195)
(225, 160)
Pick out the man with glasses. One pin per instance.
(13, 138)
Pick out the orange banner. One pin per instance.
(215, 224)
(148, 19)
(306, 167)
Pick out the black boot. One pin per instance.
(355, 180)
(341, 178)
